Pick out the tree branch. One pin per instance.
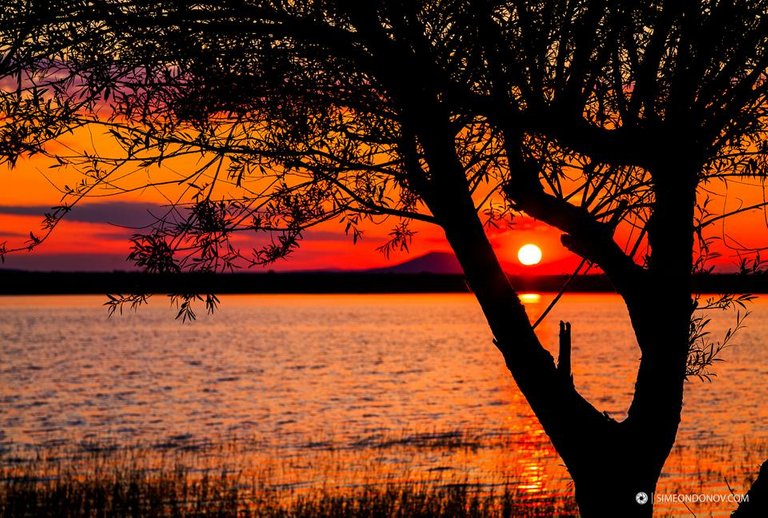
(584, 235)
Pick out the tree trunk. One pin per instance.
(612, 491)
(615, 466)
(755, 505)
(611, 463)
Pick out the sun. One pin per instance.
(529, 254)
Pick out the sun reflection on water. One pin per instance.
(530, 298)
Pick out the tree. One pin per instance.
(33, 107)
(587, 115)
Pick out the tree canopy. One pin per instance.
(546, 106)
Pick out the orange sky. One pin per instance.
(88, 240)
(100, 245)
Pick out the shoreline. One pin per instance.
(14, 282)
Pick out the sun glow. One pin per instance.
(530, 298)
(529, 254)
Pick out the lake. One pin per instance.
(305, 375)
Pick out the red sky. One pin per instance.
(90, 245)
(90, 240)
(90, 237)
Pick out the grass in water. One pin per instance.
(406, 475)
(174, 494)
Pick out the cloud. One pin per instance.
(6, 234)
(325, 235)
(119, 235)
(129, 214)
(136, 215)
(67, 262)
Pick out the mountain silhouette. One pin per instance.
(432, 262)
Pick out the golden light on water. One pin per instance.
(530, 298)
(529, 254)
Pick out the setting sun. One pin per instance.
(529, 254)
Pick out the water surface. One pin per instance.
(299, 371)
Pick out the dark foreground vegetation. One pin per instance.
(222, 494)
(190, 479)
(379, 476)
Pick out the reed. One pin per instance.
(366, 477)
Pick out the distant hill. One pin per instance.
(443, 263)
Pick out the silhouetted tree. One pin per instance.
(33, 107)
(588, 115)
